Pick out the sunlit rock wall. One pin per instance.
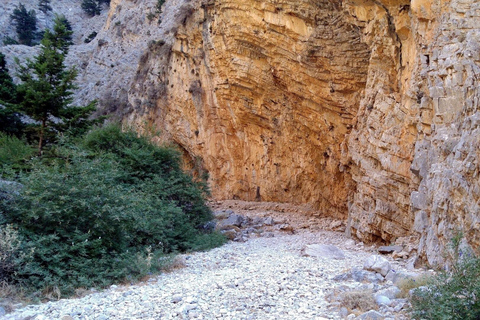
(262, 95)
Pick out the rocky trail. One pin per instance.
(284, 263)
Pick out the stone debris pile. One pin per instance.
(269, 271)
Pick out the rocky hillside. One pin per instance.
(365, 109)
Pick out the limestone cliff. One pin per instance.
(365, 109)
(416, 141)
(262, 96)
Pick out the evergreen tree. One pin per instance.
(25, 24)
(44, 6)
(61, 37)
(45, 93)
(91, 7)
(7, 87)
(10, 121)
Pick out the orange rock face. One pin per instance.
(262, 95)
(364, 109)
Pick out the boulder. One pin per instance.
(382, 300)
(390, 292)
(324, 251)
(371, 315)
(360, 275)
(378, 264)
(268, 221)
(233, 221)
(389, 249)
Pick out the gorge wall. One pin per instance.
(365, 109)
(357, 107)
(262, 95)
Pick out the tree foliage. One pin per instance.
(91, 7)
(45, 92)
(44, 6)
(105, 205)
(25, 24)
(7, 87)
(10, 120)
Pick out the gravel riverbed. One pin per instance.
(266, 277)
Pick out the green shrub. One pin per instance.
(91, 7)
(9, 252)
(105, 211)
(9, 41)
(14, 152)
(453, 294)
(90, 37)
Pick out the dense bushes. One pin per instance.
(452, 294)
(103, 210)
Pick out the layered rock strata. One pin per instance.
(261, 95)
(364, 109)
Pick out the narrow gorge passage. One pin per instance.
(268, 276)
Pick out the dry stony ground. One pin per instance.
(268, 276)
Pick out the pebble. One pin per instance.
(262, 278)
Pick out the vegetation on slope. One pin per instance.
(453, 293)
(92, 206)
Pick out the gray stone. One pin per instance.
(360, 275)
(418, 200)
(342, 277)
(258, 221)
(343, 312)
(350, 243)
(366, 276)
(233, 220)
(177, 298)
(389, 249)
(324, 251)
(268, 221)
(371, 315)
(378, 264)
(187, 307)
(2, 311)
(421, 221)
(382, 300)
(412, 263)
(220, 214)
(390, 292)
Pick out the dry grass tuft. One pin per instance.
(11, 297)
(358, 301)
(407, 284)
(178, 262)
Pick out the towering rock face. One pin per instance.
(447, 151)
(415, 145)
(382, 143)
(365, 109)
(262, 95)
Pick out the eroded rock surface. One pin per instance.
(366, 110)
